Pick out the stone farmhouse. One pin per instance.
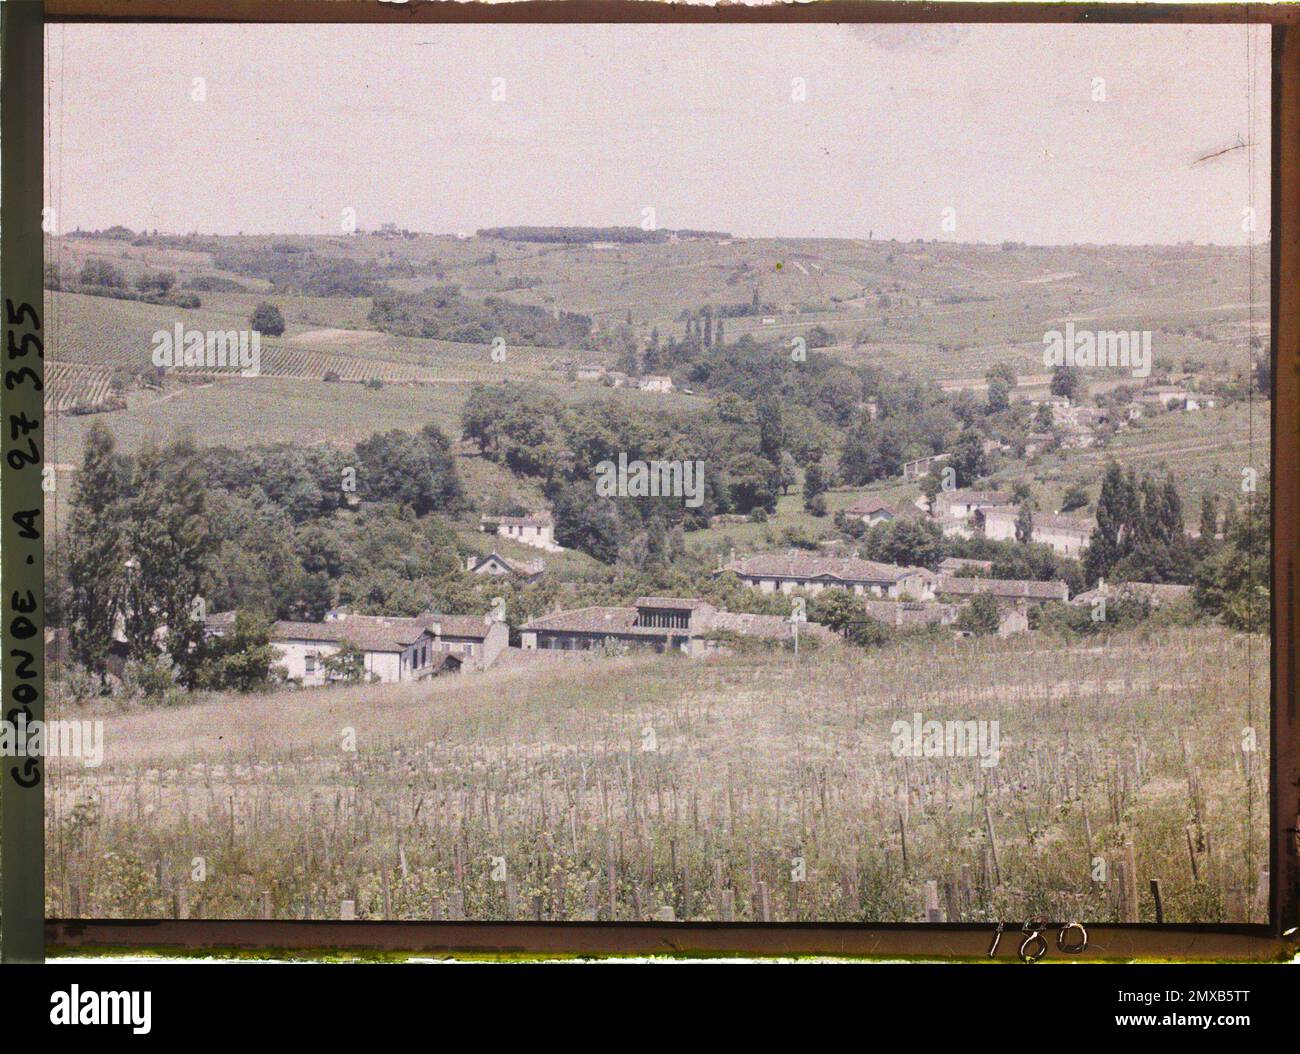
(1067, 535)
(499, 566)
(660, 624)
(537, 529)
(954, 510)
(777, 573)
(963, 502)
(1005, 590)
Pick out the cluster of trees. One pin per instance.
(1233, 580)
(740, 445)
(157, 541)
(295, 269)
(441, 312)
(1140, 535)
(99, 277)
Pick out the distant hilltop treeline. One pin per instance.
(586, 235)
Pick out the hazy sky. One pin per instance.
(699, 122)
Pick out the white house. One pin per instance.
(537, 529)
(397, 649)
(655, 382)
(393, 648)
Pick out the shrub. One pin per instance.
(267, 319)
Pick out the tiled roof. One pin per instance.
(476, 627)
(593, 620)
(676, 603)
(845, 569)
(368, 632)
(385, 633)
(519, 567)
(1003, 587)
(969, 496)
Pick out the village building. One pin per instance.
(393, 648)
(778, 573)
(964, 501)
(653, 382)
(660, 624)
(537, 529)
(1004, 590)
(1067, 535)
(1170, 397)
(478, 640)
(922, 466)
(499, 566)
(870, 511)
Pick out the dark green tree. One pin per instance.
(1069, 383)
(968, 458)
(267, 319)
(96, 550)
(981, 616)
(1025, 524)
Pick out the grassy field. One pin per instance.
(648, 787)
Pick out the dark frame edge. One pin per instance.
(22, 564)
(23, 845)
(1285, 446)
(247, 938)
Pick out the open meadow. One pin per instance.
(747, 787)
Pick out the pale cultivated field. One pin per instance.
(622, 788)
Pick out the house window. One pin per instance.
(309, 662)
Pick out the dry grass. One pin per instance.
(759, 761)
